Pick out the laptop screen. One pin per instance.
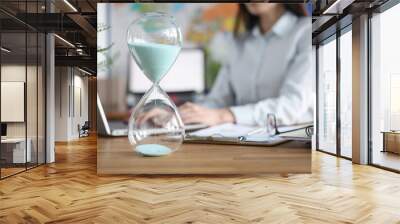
(103, 127)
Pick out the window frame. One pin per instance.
(27, 29)
(334, 37)
(378, 10)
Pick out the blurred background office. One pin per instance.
(208, 35)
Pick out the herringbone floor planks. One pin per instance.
(69, 191)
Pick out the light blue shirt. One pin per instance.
(270, 73)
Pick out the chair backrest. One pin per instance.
(86, 125)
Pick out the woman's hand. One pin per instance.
(156, 116)
(193, 113)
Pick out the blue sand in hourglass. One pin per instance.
(154, 59)
(153, 150)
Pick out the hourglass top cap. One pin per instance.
(154, 27)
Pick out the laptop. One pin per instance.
(105, 128)
(120, 128)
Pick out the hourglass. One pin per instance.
(155, 127)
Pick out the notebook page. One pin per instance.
(224, 130)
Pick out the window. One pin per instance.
(22, 77)
(346, 94)
(385, 89)
(329, 112)
(327, 97)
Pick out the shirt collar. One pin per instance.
(281, 27)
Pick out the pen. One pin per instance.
(252, 132)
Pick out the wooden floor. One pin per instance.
(5, 172)
(387, 159)
(69, 191)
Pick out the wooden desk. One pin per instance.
(115, 156)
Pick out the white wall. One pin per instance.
(61, 103)
(14, 73)
(71, 87)
(79, 117)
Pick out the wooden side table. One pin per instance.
(391, 141)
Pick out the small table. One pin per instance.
(115, 156)
(391, 141)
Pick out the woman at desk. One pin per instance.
(269, 71)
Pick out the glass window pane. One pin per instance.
(14, 153)
(327, 97)
(32, 93)
(41, 98)
(31, 97)
(385, 84)
(346, 94)
(23, 90)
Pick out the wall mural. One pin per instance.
(208, 26)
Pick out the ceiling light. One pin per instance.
(337, 7)
(70, 5)
(84, 71)
(5, 50)
(333, 6)
(79, 51)
(64, 40)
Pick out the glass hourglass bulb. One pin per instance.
(155, 127)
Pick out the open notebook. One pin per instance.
(239, 134)
(232, 134)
